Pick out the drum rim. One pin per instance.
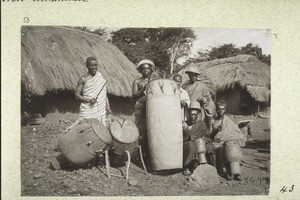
(118, 139)
(161, 79)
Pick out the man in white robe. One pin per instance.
(91, 92)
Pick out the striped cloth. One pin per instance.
(91, 89)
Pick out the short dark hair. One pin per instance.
(177, 75)
(89, 59)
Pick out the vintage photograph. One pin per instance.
(162, 111)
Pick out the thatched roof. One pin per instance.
(53, 58)
(242, 70)
(261, 94)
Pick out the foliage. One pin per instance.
(229, 50)
(161, 45)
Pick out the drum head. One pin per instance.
(100, 130)
(124, 131)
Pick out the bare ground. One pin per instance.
(39, 145)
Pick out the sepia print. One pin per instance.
(109, 111)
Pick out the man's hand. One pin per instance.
(203, 101)
(219, 128)
(93, 101)
(193, 137)
(183, 103)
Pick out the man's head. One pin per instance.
(178, 79)
(192, 72)
(92, 65)
(145, 67)
(221, 108)
(193, 111)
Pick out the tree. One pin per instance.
(229, 50)
(224, 51)
(162, 45)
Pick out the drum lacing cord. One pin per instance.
(91, 142)
(118, 120)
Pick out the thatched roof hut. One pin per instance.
(245, 72)
(53, 58)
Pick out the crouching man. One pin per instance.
(192, 129)
(225, 132)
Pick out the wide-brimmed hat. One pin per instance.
(195, 105)
(192, 70)
(145, 62)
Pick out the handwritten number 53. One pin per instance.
(26, 20)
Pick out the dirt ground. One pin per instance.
(39, 145)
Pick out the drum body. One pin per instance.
(125, 135)
(82, 142)
(201, 149)
(164, 125)
(233, 154)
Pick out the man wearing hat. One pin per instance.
(192, 129)
(146, 68)
(200, 93)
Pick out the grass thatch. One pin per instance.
(242, 70)
(53, 58)
(260, 94)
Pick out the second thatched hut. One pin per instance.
(242, 81)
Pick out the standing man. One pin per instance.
(183, 95)
(91, 92)
(199, 92)
(146, 68)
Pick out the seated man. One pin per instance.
(224, 129)
(192, 129)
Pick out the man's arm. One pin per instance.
(136, 93)
(78, 92)
(108, 105)
(185, 99)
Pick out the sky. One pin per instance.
(207, 38)
(212, 37)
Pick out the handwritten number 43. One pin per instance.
(285, 189)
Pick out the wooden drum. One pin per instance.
(84, 141)
(201, 149)
(164, 125)
(233, 154)
(125, 135)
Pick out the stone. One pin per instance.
(206, 175)
(132, 182)
(38, 175)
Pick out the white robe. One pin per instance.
(92, 88)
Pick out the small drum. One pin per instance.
(84, 141)
(125, 138)
(233, 154)
(201, 149)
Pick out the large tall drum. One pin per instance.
(164, 125)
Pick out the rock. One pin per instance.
(38, 175)
(206, 175)
(132, 182)
(35, 184)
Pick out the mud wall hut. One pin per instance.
(53, 59)
(242, 81)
